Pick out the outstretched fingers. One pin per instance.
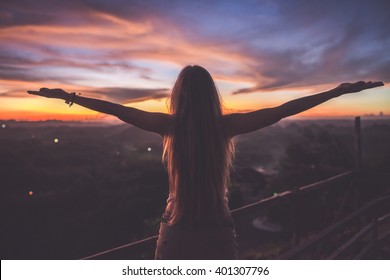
(361, 85)
(375, 84)
(50, 93)
(357, 86)
(41, 92)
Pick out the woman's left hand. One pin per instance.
(356, 87)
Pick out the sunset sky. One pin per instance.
(261, 53)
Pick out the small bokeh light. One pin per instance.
(149, 149)
(56, 140)
(3, 125)
(30, 193)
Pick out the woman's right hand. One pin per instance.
(50, 93)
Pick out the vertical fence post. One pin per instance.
(358, 167)
(358, 145)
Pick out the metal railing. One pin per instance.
(370, 210)
(148, 244)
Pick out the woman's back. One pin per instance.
(197, 150)
(198, 153)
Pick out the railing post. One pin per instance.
(358, 145)
(358, 165)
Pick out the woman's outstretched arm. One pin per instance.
(154, 122)
(247, 122)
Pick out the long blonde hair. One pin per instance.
(197, 152)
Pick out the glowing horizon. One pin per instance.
(260, 54)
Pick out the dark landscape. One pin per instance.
(72, 189)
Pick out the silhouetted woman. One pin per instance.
(198, 152)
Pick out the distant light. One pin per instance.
(3, 125)
(56, 140)
(149, 149)
(275, 193)
(30, 193)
